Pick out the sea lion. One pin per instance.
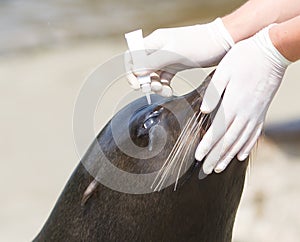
(199, 210)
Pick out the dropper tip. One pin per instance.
(148, 98)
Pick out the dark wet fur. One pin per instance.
(200, 210)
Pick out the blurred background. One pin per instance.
(47, 48)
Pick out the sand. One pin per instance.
(38, 91)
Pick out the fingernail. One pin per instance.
(207, 171)
(204, 108)
(199, 156)
(166, 91)
(201, 174)
(200, 151)
(156, 86)
(208, 167)
(243, 157)
(164, 81)
(220, 167)
(154, 76)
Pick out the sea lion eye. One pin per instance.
(149, 122)
(152, 118)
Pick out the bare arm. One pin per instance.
(286, 38)
(254, 15)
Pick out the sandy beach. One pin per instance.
(38, 91)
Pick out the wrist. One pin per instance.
(232, 28)
(264, 40)
(224, 37)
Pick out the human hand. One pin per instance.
(175, 49)
(251, 72)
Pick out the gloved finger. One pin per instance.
(235, 148)
(224, 144)
(244, 152)
(161, 84)
(127, 60)
(156, 85)
(166, 91)
(212, 158)
(133, 81)
(131, 78)
(161, 58)
(166, 76)
(153, 63)
(215, 89)
(167, 60)
(217, 129)
(143, 67)
(174, 68)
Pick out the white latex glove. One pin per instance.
(251, 72)
(175, 49)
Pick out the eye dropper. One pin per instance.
(135, 42)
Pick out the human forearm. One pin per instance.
(286, 38)
(257, 14)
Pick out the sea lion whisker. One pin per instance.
(196, 127)
(183, 147)
(178, 173)
(179, 139)
(190, 146)
(166, 172)
(173, 159)
(170, 156)
(180, 150)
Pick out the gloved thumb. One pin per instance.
(154, 41)
(131, 78)
(167, 60)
